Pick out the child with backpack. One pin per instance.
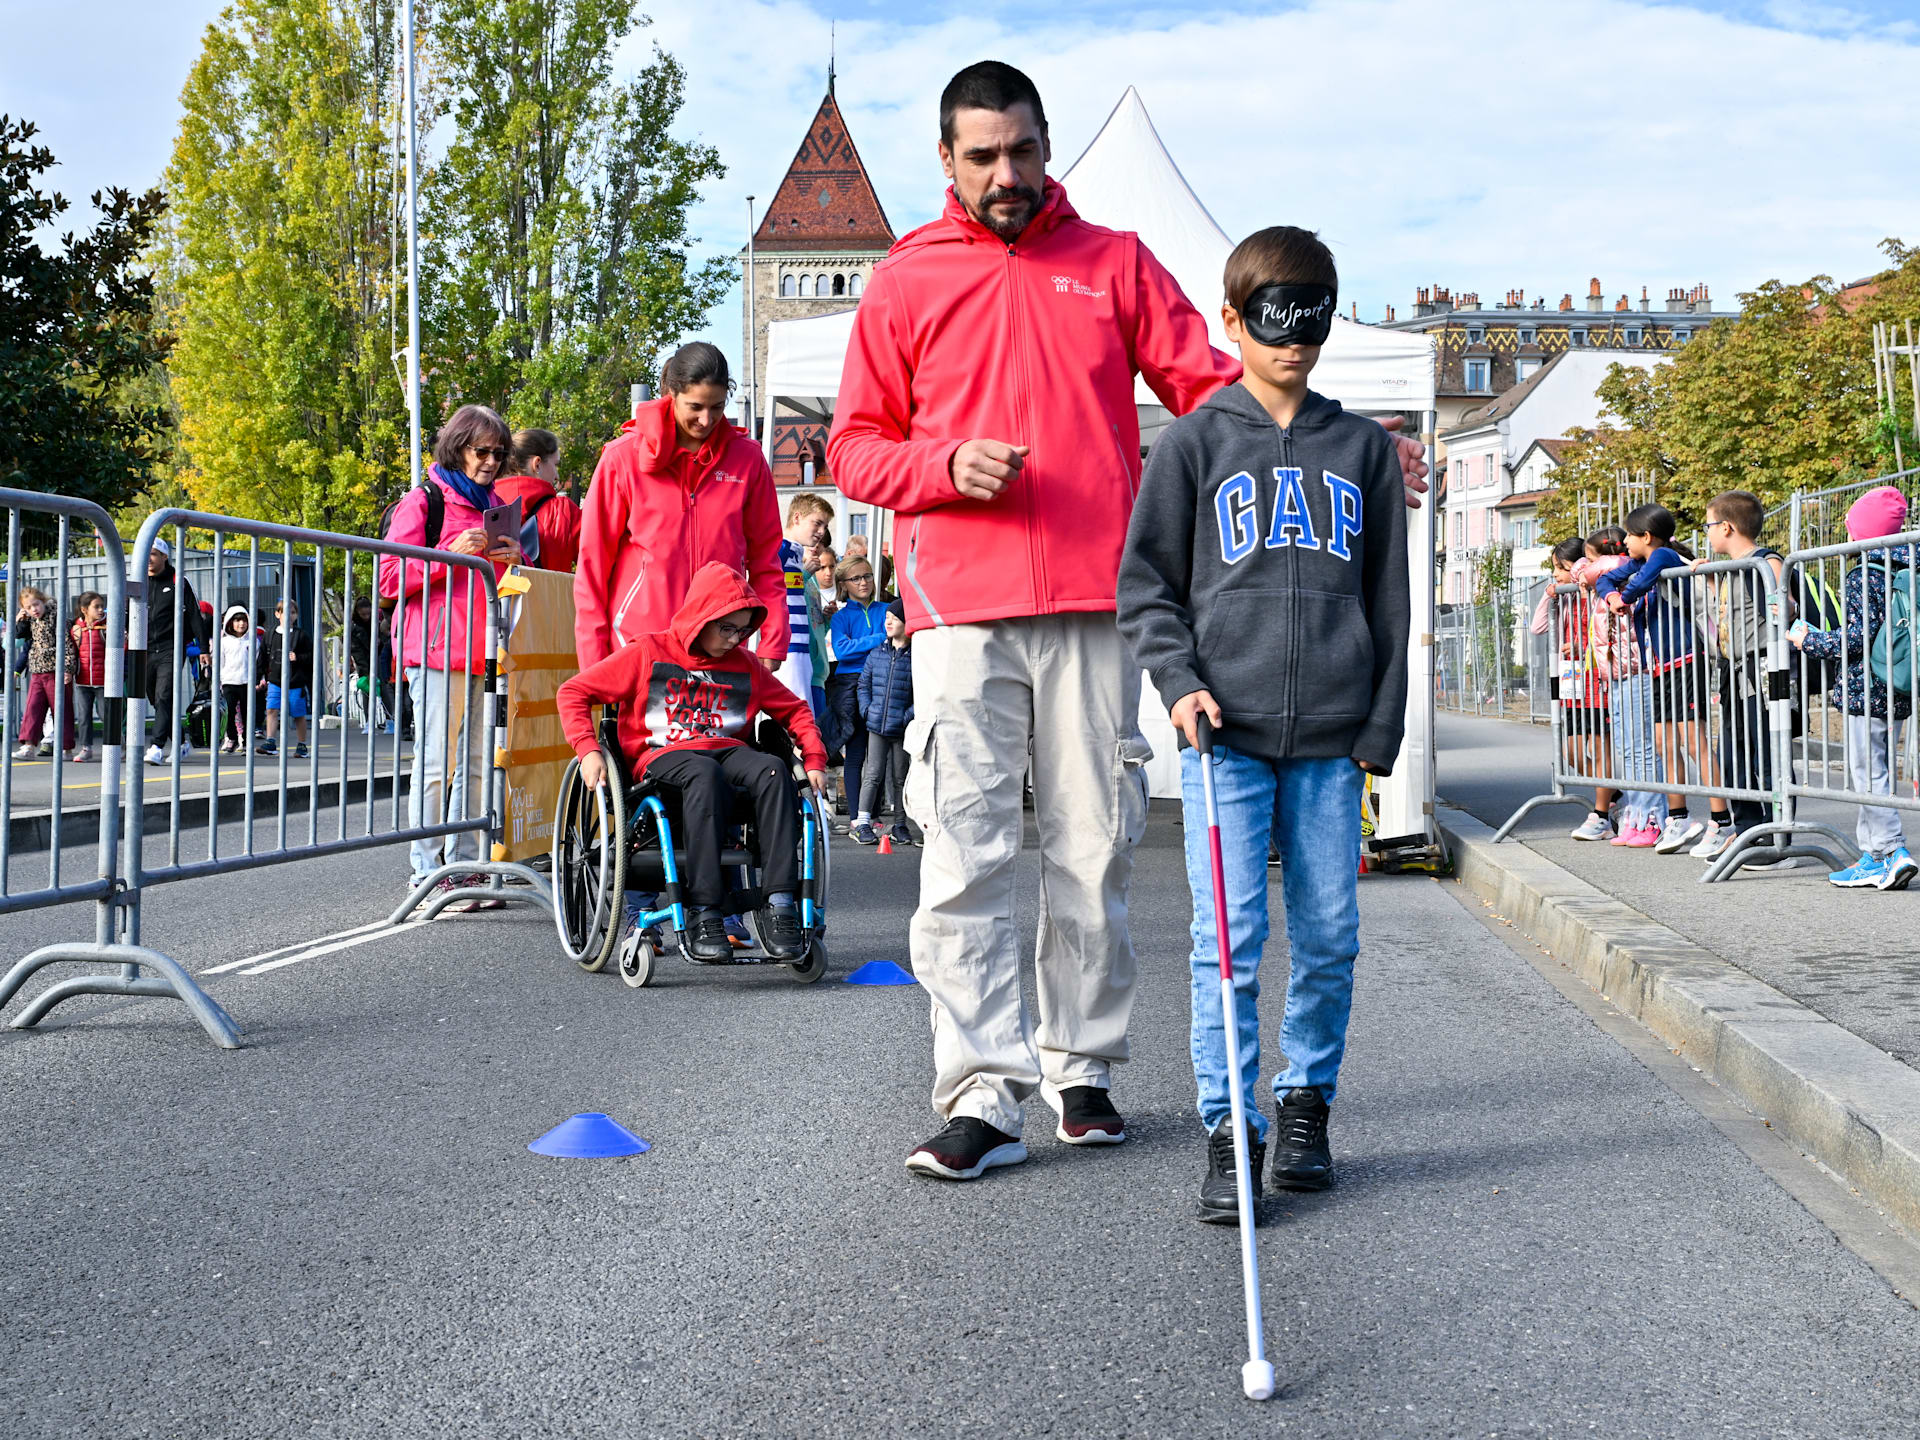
(885, 692)
(1875, 699)
(89, 635)
(1739, 619)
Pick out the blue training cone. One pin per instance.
(591, 1136)
(880, 972)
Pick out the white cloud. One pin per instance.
(1477, 144)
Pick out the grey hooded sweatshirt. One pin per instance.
(1268, 565)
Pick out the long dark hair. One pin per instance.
(695, 363)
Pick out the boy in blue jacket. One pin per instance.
(886, 707)
(1265, 583)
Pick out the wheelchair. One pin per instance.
(621, 836)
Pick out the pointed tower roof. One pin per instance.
(825, 201)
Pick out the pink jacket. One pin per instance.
(655, 514)
(428, 595)
(961, 336)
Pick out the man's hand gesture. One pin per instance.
(983, 469)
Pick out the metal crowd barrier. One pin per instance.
(116, 937)
(1693, 697)
(459, 709)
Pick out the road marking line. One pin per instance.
(290, 949)
(318, 951)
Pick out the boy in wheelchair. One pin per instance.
(688, 699)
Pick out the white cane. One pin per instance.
(1256, 1376)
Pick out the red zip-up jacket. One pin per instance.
(557, 523)
(90, 652)
(655, 514)
(672, 698)
(961, 336)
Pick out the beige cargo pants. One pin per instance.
(1063, 690)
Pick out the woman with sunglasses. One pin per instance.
(443, 645)
(679, 488)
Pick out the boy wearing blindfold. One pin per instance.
(1264, 583)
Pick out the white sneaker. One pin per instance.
(1594, 827)
(1677, 834)
(1714, 842)
(155, 755)
(186, 747)
(26, 752)
(82, 755)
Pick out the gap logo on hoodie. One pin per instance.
(1236, 512)
(693, 704)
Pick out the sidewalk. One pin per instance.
(1849, 955)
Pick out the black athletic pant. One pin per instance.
(1745, 754)
(160, 678)
(706, 780)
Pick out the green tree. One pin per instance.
(79, 341)
(280, 264)
(562, 202)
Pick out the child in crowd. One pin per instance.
(1264, 584)
(1873, 717)
(1734, 518)
(1667, 623)
(886, 706)
(1583, 693)
(859, 627)
(239, 652)
(688, 700)
(1614, 642)
(49, 652)
(89, 635)
(808, 517)
(288, 637)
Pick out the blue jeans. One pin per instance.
(1630, 702)
(1311, 808)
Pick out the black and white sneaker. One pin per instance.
(1087, 1116)
(1301, 1157)
(1220, 1191)
(965, 1150)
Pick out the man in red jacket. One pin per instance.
(987, 399)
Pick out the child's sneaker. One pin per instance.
(1644, 838)
(863, 834)
(900, 834)
(155, 755)
(1302, 1159)
(966, 1149)
(25, 752)
(1594, 827)
(46, 748)
(1866, 873)
(1680, 832)
(267, 747)
(300, 750)
(1220, 1191)
(1715, 842)
(1901, 868)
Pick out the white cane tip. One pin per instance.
(1256, 1378)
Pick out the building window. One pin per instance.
(1479, 375)
(1525, 369)
(1487, 478)
(1633, 336)
(839, 284)
(853, 284)
(786, 287)
(1476, 335)
(1680, 337)
(857, 523)
(1459, 530)
(1526, 337)
(806, 287)
(1576, 337)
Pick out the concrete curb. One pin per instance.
(1851, 1106)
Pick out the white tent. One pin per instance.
(1126, 180)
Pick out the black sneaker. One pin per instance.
(707, 939)
(1301, 1157)
(780, 932)
(1220, 1191)
(965, 1150)
(1087, 1117)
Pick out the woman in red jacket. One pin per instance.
(680, 487)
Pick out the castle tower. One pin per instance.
(813, 252)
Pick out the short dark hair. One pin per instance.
(988, 85)
(1740, 509)
(695, 363)
(1277, 255)
(531, 445)
(1570, 552)
(469, 426)
(1654, 520)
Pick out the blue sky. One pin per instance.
(1479, 144)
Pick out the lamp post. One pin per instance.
(753, 334)
(413, 262)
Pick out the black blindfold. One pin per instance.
(1289, 314)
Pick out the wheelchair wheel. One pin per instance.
(637, 963)
(809, 970)
(589, 868)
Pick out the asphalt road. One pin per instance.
(339, 1231)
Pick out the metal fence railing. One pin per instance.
(449, 627)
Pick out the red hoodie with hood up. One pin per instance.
(962, 336)
(655, 514)
(673, 698)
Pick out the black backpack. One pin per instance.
(436, 516)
